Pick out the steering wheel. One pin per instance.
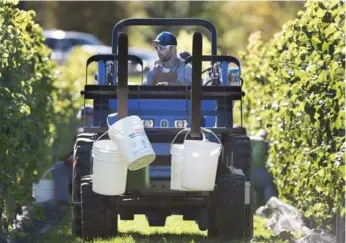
(209, 68)
(210, 82)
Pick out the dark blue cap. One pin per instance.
(166, 39)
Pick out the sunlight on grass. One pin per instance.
(174, 224)
(176, 230)
(136, 79)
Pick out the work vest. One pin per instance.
(166, 78)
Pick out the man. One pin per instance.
(86, 117)
(62, 170)
(170, 68)
(261, 178)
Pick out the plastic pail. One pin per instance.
(200, 163)
(177, 160)
(106, 145)
(129, 135)
(109, 169)
(44, 190)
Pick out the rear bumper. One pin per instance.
(162, 201)
(162, 204)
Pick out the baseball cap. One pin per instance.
(166, 39)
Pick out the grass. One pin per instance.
(137, 231)
(137, 79)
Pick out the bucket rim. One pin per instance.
(106, 155)
(113, 160)
(96, 155)
(203, 145)
(116, 114)
(110, 141)
(132, 118)
(126, 120)
(105, 151)
(139, 164)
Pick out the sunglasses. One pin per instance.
(161, 47)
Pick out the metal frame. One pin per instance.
(195, 92)
(164, 92)
(164, 22)
(223, 94)
(122, 91)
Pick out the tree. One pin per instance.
(234, 21)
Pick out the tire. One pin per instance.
(238, 131)
(99, 214)
(227, 216)
(81, 167)
(249, 219)
(240, 146)
(242, 159)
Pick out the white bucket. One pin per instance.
(129, 135)
(177, 161)
(109, 169)
(106, 145)
(200, 160)
(44, 190)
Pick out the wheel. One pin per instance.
(227, 214)
(99, 214)
(241, 154)
(242, 159)
(238, 130)
(81, 167)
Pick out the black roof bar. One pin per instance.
(196, 85)
(122, 90)
(164, 22)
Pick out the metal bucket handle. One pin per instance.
(188, 130)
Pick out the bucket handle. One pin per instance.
(203, 135)
(111, 115)
(202, 129)
(46, 173)
(182, 130)
(102, 135)
(210, 131)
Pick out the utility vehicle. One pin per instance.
(226, 211)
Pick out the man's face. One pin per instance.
(164, 52)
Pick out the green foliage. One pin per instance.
(26, 82)
(295, 88)
(68, 100)
(234, 20)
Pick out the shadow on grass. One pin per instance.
(168, 238)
